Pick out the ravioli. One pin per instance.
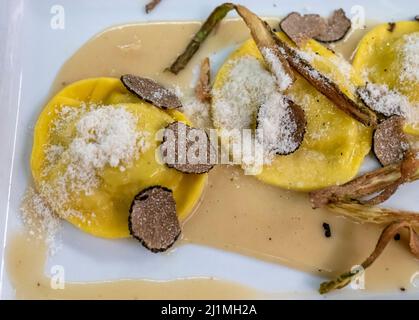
(104, 211)
(334, 145)
(379, 56)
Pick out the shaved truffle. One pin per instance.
(153, 220)
(381, 99)
(390, 142)
(301, 28)
(280, 125)
(187, 149)
(151, 91)
(298, 115)
(336, 28)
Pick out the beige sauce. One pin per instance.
(26, 262)
(238, 213)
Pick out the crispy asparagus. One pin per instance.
(388, 233)
(372, 214)
(381, 181)
(214, 18)
(326, 86)
(265, 40)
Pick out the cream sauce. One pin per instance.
(26, 263)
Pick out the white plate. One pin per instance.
(31, 53)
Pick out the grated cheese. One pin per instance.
(103, 136)
(344, 68)
(197, 111)
(410, 58)
(249, 91)
(39, 220)
(383, 100)
(340, 73)
(282, 77)
(276, 127)
(247, 86)
(53, 152)
(308, 55)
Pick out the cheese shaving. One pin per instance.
(410, 58)
(103, 136)
(383, 100)
(341, 71)
(276, 127)
(39, 220)
(197, 111)
(244, 91)
(282, 77)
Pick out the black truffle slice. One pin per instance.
(298, 114)
(384, 102)
(153, 220)
(151, 91)
(337, 27)
(283, 134)
(301, 28)
(187, 149)
(390, 142)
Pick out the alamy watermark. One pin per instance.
(57, 21)
(57, 281)
(358, 280)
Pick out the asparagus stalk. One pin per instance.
(382, 180)
(265, 40)
(362, 186)
(388, 233)
(214, 18)
(372, 214)
(326, 86)
(261, 33)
